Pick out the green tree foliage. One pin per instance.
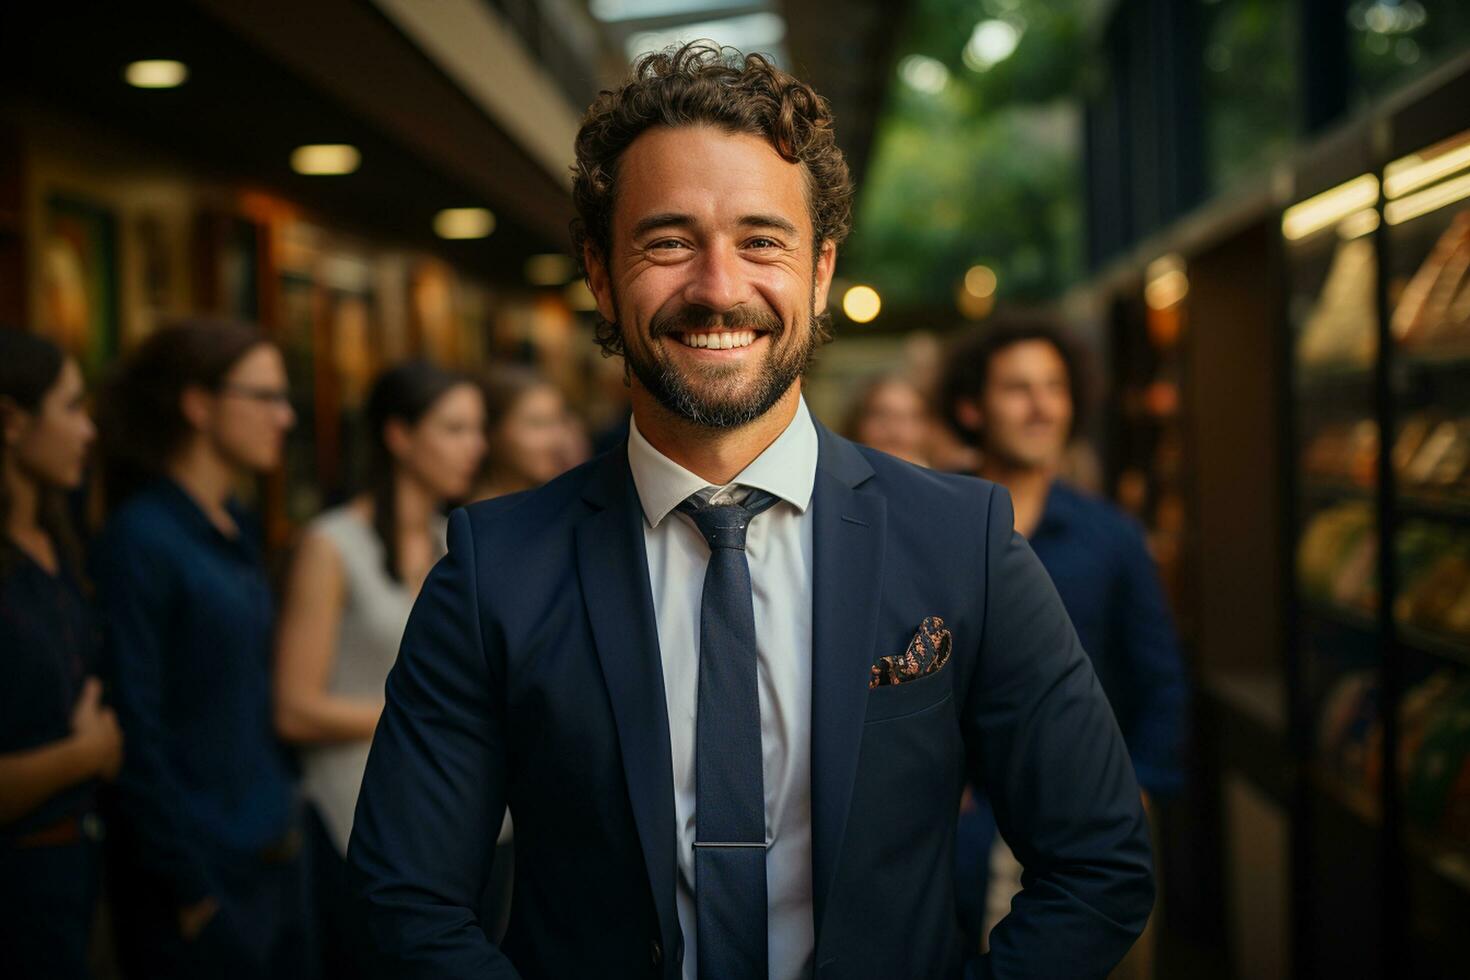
(983, 169)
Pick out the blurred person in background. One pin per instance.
(57, 740)
(348, 595)
(525, 430)
(1015, 391)
(208, 878)
(890, 415)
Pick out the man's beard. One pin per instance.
(713, 396)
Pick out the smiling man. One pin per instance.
(730, 677)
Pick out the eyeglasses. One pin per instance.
(278, 397)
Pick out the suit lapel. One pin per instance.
(613, 565)
(848, 536)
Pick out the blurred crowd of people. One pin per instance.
(182, 738)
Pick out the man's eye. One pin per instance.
(763, 243)
(667, 243)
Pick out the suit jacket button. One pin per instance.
(656, 954)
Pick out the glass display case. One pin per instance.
(1379, 280)
(1426, 284)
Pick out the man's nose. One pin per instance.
(716, 282)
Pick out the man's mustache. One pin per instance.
(694, 319)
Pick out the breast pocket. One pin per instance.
(901, 700)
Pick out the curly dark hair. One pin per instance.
(967, 365)
(701, 83)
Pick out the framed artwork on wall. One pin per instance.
(78, 268)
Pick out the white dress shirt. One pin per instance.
(778, 547)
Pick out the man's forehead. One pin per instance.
(707, 174)
(1033, 355)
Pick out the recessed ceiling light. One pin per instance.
(156, 74)
(461, 223)
(325, 159)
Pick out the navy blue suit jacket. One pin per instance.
(530, 676)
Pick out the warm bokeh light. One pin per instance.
(980, 281)
(464, 223)
(1329, 207)
(1359, 224)
(861, 304)
(1422, 169)
(157, 73)
(1167, 282)
(1432, 199)
(551, 269)
(325, 159)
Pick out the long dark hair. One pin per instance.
(141, 424)
(30, 366)
(405, 394)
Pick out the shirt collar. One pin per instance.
(1058, 510)
(787, 468)
(187, 509)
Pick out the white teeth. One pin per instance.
(721, 340)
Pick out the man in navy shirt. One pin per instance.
(1014, 391)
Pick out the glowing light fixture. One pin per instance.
(1167, 283)
(1425, 167)
(1359, 224)
(861, 304)
(549, 270)
(325, 159)
(464, 223)
(1329, 207)
(1432, 199)
(157, 73)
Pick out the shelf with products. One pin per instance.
(1432, 606)
(1337, 559)
(1432, 765)
(1378, 499)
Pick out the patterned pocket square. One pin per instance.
(927, 652)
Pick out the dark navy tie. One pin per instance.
(729, 788)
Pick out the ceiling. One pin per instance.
(246, 105)
(269, 75)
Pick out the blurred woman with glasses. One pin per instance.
(57, 739)
(351, 587)
(208, 877)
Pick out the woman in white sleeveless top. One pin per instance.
(351, 587)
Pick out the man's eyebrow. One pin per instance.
(769, 221)
(676, 219)
(666, 219)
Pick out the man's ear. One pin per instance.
(196, 404)
(967, 412)
(822, 281)
(599, 281)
